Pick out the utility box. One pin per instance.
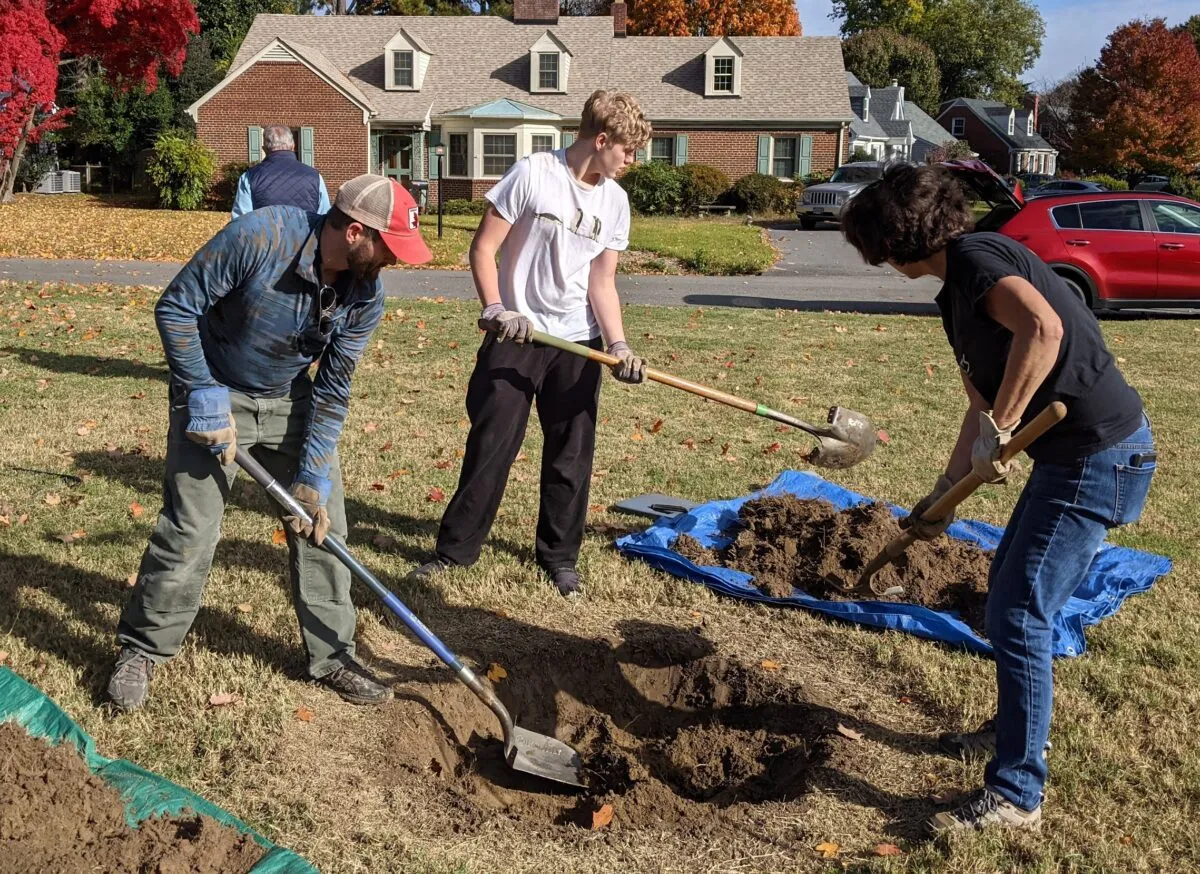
(59, 182)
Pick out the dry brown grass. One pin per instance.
(1125, 774)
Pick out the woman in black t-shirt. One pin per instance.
(1021, 340)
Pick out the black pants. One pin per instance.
(506, 380)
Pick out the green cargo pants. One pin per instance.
(175, 566)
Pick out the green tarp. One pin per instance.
(145, 794)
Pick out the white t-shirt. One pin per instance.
(559, 226)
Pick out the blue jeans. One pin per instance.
(1058, 525)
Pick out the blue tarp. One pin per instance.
(1115, 574)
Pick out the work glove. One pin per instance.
(923, 529)
(630, 368)
(312, 499)
(985, 453)
(210, 422)
(505, 324)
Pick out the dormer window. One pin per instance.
(406, 59)
(1029, 126)
(548, 71)
(402, 69)
(549, 65)
(723, 69)
(1012, 122)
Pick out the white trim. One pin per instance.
(956, 122)
(723, 48)
(194, 109)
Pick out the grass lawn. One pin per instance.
(115, 228)
(83, 391)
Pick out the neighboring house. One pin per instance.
(378, 93)
(888, 127)
(1006, 138)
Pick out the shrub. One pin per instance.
(816, 178)
(1184, 186)
(223, 190)
(654, 188)
(460, 206)
(860, 154)
(181, 169)
(758, 193)
(1112, 183)
(701, 185)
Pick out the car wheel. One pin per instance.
(807, 224)
(1077, 288)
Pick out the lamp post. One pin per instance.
(439, 151)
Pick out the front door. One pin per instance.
(1177, 232)
(396, 156)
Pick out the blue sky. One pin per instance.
(1075, 30)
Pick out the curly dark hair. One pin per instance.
(907, 216)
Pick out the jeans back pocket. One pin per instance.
(1133, 485)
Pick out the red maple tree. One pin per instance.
(131, 39)
(714, 18)
(1139, 107)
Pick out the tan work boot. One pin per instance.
(986, 808)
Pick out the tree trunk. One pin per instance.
(8, 170)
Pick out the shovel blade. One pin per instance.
(542, 756)
(848, 439)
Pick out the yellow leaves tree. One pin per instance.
(714, 18)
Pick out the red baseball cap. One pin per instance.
(385, 205)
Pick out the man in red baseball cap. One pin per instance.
(273, 292)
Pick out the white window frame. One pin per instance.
(795, 156)
(732, 74)
(1012, 121)
(412, 69)
(670, 160)
(557, 70)
(958, 126)
(524, 133)
(480, 135)
(1029, 125)
(546, 134)
(466, 135)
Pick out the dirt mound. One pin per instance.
(786, 542)
(668, 734)
(55, 815)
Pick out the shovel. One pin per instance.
(525, 751)
(847, 439)
(959, 492)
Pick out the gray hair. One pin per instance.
(277, 138)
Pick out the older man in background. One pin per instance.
(280, 179)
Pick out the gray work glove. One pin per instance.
(631, 368)
(310, 499)
(210, 422)
(926, 530)
(505, 324)
(985, 453)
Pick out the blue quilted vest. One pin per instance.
(281, 180)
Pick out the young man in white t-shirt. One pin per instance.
(558, 220)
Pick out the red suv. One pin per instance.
(1114, 249)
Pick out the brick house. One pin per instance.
(1005, 137)
(888, 127)
(378, 93)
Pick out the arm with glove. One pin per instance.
(602, 295)
(506, 324)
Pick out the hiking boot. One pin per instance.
(356, 684)
(567, 581)
(129, 684)
(980, 743)
(429, 569)
(986, 808)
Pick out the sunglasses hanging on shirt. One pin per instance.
(316, 336)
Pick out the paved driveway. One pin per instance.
(819, 252)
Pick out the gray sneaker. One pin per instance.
(986, 808)
(356, 684)
(430, 569)
(129, 684)
(978, 744)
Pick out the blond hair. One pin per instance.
(617, 114)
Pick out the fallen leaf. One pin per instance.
(420, 324)
(849, 732)
(839, 329)
(395, 474)
(436, 495)
(769, 665)
(136, 510)
(602, 817)
(72, 537)
(496, 673)
(279, 537)
(131, 580)
(828, 849)
(656, 427)
(383, 541)
(724, 448)
(3, 657)
(222, 699)
(887, 850)
(304, 714)
(636, 436)
(453, 344)
(929, 370)
(1120, 360)
(521, 456)
(53, 499)
(23, 518)
(879, 329)
(883, 436)
(83, 431)
(244, 608)
(5, 520)
(1127, 840)
(774, 447)
(904, 699)
(137, 396)
(688, 443)
(378, 487)
(443, 465)
(386, 447)
(648, 336)
(370, 427)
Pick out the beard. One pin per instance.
(359, 260)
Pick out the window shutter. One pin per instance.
(642, 155)
(306, 145)
(435, 138)
(764, 155)
(804, 161)
(253, 144)
(680, 149)
(568, 138)
(375, 138)
(420, 151)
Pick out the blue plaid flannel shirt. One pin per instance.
(234, 317)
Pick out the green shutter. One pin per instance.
(642, 155)
(435, 138)
(253, 144)
(804, 159)
(568, 138)
(681, 149)
(374, 168)
(306, 145)
(764, 154)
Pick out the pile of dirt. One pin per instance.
(786, 542)
(55, 815)
(671, 737)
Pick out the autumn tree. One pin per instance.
(879, 55)
(713, 18)
(1192, 26)
(1138, 109)
(132, 40)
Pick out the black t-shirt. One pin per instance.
(1102, 408)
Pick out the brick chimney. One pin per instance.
(535, 12)
(620, 17)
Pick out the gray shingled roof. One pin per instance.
(995, 114)
(924, 127)
(322, 63)
(480, 58)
